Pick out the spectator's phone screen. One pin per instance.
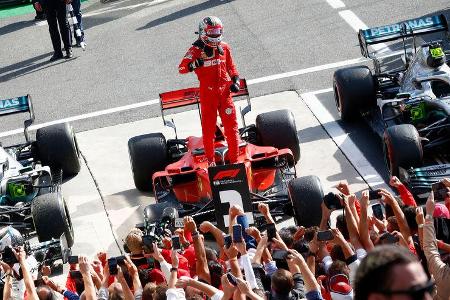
(377, 211)
(112, 264)
(271, 231)
(325, 235)
(279, 254)
(237, 233)
(73, 259)
(439, 191)
(232, 279)
(227, 241)
(374, 195)
(176, 242)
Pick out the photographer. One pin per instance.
(10, 242)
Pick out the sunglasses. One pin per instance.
(416, 292)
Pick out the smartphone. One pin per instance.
(112, 264)
(271, 231)
(227, 241)
(439, 191)
(325, 235)
(279, 254)
(232, 279)
(179, 223)
(120, 260)
(377, 211)
(237, 233)
(73, 259)
(374, 195)
(75, 274)
(176, 242)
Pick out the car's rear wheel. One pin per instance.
(306, 195)
(277, 129)
(354, 90)
(51, 218)
(148, 154)
(58, 148)
(402, 148)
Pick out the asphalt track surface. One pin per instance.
(134, 48)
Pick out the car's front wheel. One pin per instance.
(148, 154)
(306, 195)
(402, 148)
(354, 90)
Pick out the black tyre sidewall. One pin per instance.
(278, 129)
(402, 148)
(306, 195)
(51, 218)
(354, 90)
(148, 154)
(58, 148)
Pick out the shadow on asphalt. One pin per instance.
(15, 27)
(28, 66)
(184, 12)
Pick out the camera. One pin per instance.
(8, 256)
(333, 201)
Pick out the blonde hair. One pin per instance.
(134, 240)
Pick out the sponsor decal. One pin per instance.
(226, 174)
(213, 62)
(188, 55)
(415, 24)
(8, 103)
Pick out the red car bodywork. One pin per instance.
(194, 165)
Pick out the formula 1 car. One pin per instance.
(177, 169)
(407, 106)
(31, 175)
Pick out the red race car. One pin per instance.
(177, 171)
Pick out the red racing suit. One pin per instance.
(215, 80)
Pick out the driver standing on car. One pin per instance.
(211, 60)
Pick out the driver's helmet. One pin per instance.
(210, 30)
(10, 236)
(436, 55)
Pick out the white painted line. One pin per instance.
(83, 116)
(306, 71)
(336, 4)
(155, 101)
(342, 140)
(129, 7)
(357, 24)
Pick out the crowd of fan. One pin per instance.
(363, 257)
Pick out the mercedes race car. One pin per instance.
(31, 174)
(407, 106)
(177, 171)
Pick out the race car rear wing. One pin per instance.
(409, 28)
(191, 96)
(19, 105)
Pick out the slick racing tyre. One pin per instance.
(58, 148)
(306, 195)
(51, 218)
(402, 148)
(148, 154)
(277, 129)
(354, 90)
